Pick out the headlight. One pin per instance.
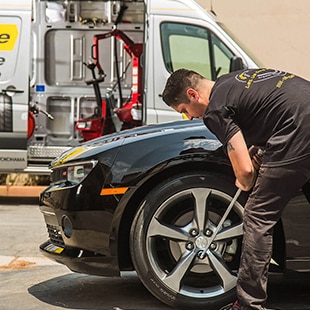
(76, 174)
(73, 173)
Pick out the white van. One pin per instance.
(74, 70)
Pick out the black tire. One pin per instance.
(173, 226)
(6, 122)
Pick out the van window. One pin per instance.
(194, 47)
(222, 56)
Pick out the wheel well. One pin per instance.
(144, 187)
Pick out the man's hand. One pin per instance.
(256, 155)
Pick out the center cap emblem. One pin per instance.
(201, 242)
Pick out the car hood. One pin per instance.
(113, 141)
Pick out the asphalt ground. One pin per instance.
(29, 281)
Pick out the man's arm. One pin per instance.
(241, 162)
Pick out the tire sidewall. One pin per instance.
(6, 123)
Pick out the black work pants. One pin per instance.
(273, 189)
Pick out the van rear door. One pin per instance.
(15, 37)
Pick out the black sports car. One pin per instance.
(153, 199)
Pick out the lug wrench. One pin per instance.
(260, 152)
(232, 202)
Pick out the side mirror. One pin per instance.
(236, 64)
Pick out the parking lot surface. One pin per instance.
(29, 281)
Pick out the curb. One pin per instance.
(21, 191)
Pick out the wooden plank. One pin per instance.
(20, 191)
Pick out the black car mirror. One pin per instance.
(236, 64)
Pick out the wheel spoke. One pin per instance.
(230, 232)
(228, 280)
(158, 229)
(201, 197)
(174, 278)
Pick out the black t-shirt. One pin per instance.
(270, 107)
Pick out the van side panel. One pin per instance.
(15, 24)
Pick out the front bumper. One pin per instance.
(80, 224)
(79, 230)
(86, 248)
(81, 261)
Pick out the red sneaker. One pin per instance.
(234, 306)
